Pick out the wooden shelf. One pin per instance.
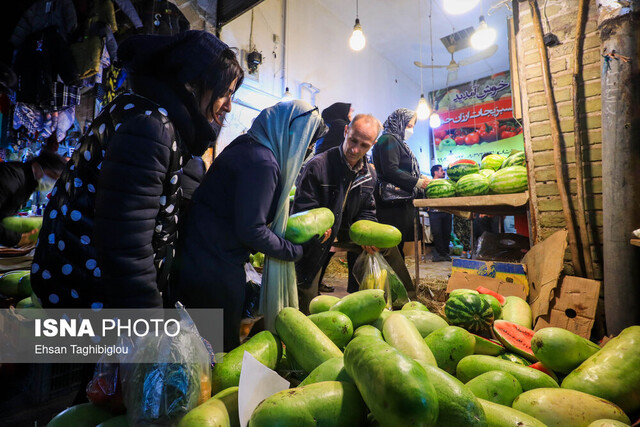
(497, 204)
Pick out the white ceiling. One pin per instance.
(393, 28)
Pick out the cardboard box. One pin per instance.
(573, 306)
(504, 271)
(463, 280)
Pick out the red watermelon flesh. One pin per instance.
(483, 290)
(516, 338)
(540, 367)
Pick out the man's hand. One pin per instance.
(326, 235)
(370, 249)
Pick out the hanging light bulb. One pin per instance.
(434, 120)
(357, 40)
(458, 7)
(423, 109)
(287, 96)
(484, 36)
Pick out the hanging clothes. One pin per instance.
(60, 14)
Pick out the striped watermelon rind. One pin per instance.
(439, 188)
(487, 172)
(474, 184)
(470, 312)
(492, 162)
(509, 180)
(516, 159)
(462, 167)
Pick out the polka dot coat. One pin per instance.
(110, 227)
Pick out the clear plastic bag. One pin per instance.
(162, 393)
(372, 271)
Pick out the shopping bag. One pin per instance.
(372, 271)
(162, 393)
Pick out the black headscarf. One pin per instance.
(395, 125)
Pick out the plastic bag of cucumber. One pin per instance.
(372, 271)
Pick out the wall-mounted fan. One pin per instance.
(453, 66)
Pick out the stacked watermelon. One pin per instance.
(492, 162)
(474, 184)
(462, 167)
(439, 188)
(512, 179)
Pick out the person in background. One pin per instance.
(336, 117)
(340, 180)
(110, 228)
(396, 164)
(18, 181)
(440, 223)
(231, 210)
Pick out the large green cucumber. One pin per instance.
(561, 350)
(518, 311)
(24, 286)
(401, 333)
(308, 345)
(559, 407)
(9, 283)
(379, 322)
(367, 330)
(425, 321)
(22, 224)
(395, 387)
(477, 364)
(82, 415)
(301, 227)
(221, 410)
(608, 423)
(264, 346)
(371, 233)
(612, 373)
(457, 404)
(496, 386)
(336, 325)
(328, 403)
(449, 345)
(415, 305)
(331, 370)
(322, 303)
(362, 307)
(504, 416)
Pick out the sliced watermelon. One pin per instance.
(483, 290)
(516, 338)
(488, 347)
(540, 367)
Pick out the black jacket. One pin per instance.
(328, 181)
(393, 162)
(110, 227)
(16, 186)
(336, 117)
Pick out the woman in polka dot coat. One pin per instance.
(110, 227)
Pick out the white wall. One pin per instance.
(318, 53)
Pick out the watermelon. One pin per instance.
(438, 188)
(514, 358)
(474, 184)
(486, 346)
(516, 338)
(462, 167)
(486, 172)
(516, 159)
(495, 305)
(509, 180)
(469, 311)
(492, 162)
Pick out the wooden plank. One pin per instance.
(489, 204)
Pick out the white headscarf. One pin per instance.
(287, 129)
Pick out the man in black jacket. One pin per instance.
(338, 179)
(18, 181)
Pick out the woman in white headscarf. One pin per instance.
(241, 206)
